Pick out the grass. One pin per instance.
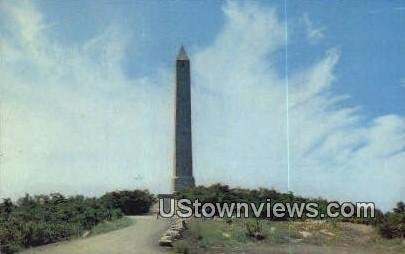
(109, 226)
(235, 236)
(220, 232)
(182, 247)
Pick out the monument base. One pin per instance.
(183, 183)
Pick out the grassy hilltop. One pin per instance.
(385, 233)
(39, 220)
(315, 237)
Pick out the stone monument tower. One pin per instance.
(183, 159)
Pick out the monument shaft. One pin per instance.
(183, 159)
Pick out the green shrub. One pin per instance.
(44, 219)
(182, 247)
(129, 202)
(393, 225)
(254, 229)
(390, 224)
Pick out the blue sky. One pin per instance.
(87, 91)
(368, 34)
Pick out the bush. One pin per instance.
(390, 224)
(44, 219)
(393, 224)
(182, 247)
(129, 202)
(254, 229)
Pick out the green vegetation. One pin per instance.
(216, 232)
(209, 232)
(254, 229)
(44, 219)
(129, 202)
(182, 247)
(238, 235)
(393, 223)
(108, 226)
(390, 224)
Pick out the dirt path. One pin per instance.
(139, 238)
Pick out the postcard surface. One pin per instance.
(202, 126)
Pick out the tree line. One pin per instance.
(43, 219)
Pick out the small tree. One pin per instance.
(130, 202)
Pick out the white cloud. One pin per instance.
(240, 115)
(72, 121)
(314, 33)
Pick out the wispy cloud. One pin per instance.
(313, 33)
(71, 120)
(240, 117)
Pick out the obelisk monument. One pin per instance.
(183, 156)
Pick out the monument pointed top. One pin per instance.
(182, 54)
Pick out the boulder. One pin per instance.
(173, 233)
(164, 241)
(305, 234)
(325, 232)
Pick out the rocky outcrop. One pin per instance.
(175, 231)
